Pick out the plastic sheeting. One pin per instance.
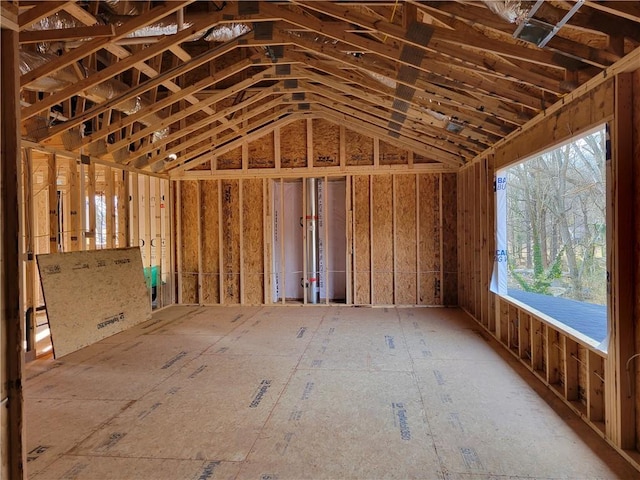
(499, 276)
(57, 21)
(288, 233)
(331, 195)
(98, 93)
(288, 230)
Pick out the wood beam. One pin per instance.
(303, 172)
(628, 10)
(9, 15)
(138, 89)
(183, 113)
(38, 12)
(96, 44)
(383, 108)
(193, 127)
(11, 317)
(112, 70)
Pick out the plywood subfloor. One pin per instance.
(275, 393)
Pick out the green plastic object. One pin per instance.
(152, 276)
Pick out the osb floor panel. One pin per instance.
(277, 393)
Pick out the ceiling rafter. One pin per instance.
(445, 80)
(449, 96)
(444, 73)
(184, 113)
(428, 106)
(94, 45)
(152, 82)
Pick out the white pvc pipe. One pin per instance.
(311, 224)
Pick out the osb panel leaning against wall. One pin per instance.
(114, 295)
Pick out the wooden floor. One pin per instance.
(279, 393)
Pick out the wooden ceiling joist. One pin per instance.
(444, 79)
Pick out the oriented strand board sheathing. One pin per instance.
(429, 198)
(359, 148)
(243, 389)
(405, 235)
(53, 433)
(210, 197)
(104, 467)
(293, 144)
(253, 241)
(91, 295)
(417, 158)
(449, 239)
(231, 160)
(362, 250)
(326, 143)
(382, 237)
(261, 152)
(231, 240)
(415, 392)
(190, 216)
(392, 155)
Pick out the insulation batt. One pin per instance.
(511, 10)
(98, 93)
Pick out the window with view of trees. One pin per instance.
(556, 233)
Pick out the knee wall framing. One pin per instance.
(593, 383)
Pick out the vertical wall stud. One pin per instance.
(441, 238)
(267, 235)
(178, 224)
(84, 225)
(276, 148)
(354, 245)
(376, 152)
(305, 274)
(170, 236)
(221, 244)
(122, 194)
(109, 208)
(91, 194)
(620, 405)
(199, 228)
(371, 273)
(418, 265)
(325, 222)
(394, 229)
(52, 177)
(348, 200)
(11, 324)
(241, 233)
(309, 147)
(31, 273)
(283, 232)
(74, 205)
(343, 148)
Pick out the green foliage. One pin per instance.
(541, 280)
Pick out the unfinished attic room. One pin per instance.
(295, 240)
